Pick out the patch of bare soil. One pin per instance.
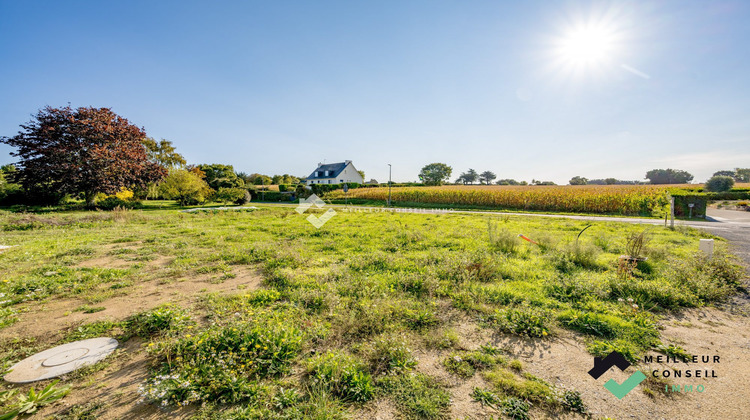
(115, 387)
(565, 362)
(45, 321)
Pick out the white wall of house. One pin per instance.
(349, 174)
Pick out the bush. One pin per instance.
(185, 187)
(230, 195)
(111, 202)
(719, 183)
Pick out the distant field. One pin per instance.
(626, 200)
(644, 200)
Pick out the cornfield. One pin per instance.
(611, 199)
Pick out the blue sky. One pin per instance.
(278, 86)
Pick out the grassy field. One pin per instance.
(342, 315)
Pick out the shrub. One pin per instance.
(185, 187)
(229, 195)
(719, 183)
(342, 375)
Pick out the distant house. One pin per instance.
(335, 173)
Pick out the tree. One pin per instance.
(163, 153)
(435, 173)
(578, 180)
(719, 183)
(230, 195)
(507, 182)
(487, 177)
(471, 176)
(84, 150)
(362, 174)
(186, 187)
(742, 174)
(668, 176)
(725, 173)
(221, 176)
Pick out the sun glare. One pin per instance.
(586, 45)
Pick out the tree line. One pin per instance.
(98, 156)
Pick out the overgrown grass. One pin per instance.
(344, 310)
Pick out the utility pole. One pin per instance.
(389, 185)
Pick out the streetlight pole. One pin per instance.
(389, 185)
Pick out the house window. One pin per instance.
(329, 181)
(341, 181)
(326, 173)
(319, 174)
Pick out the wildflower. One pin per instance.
(635, 306)
(620, 300)
(630, 299)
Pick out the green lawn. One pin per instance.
(343, 309)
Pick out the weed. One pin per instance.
(417, 396)
(486, 397)
(522, 320)
(502, 239)
(515, 408)
(342, 375)
(219, 364)
(465, 364)
(391, 353)
(636, 244)
(159, 320)
(30, 402)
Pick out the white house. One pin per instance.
(335, 173)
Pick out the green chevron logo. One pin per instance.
(601, 366)
(621, 390)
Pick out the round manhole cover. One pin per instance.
(61, 360)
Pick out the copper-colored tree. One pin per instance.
(83, 150)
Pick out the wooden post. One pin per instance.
(671, 211)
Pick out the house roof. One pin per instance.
(334, 169)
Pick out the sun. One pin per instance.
(586, 45)
(588, 49)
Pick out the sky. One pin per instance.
(542, 90)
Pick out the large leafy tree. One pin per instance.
(163, 153)
(487, 177)
(669, 176)
(221, 176)
(435, 173)
(83, 150)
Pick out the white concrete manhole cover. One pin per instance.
(61, 360)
